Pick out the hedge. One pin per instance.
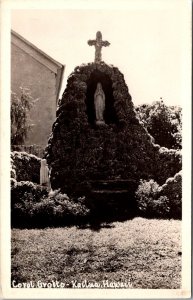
(155, 201)
(25, 167)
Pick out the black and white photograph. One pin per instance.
(96, 194)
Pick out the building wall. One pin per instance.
(28, 72)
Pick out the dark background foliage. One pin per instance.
(163, 122)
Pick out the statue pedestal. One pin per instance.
(100, 123)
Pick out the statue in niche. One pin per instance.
(99, 103)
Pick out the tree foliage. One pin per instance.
(163, 123)
(20, 118)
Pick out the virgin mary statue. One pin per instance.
(99, 103)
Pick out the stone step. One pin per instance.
(107, 197)
(109, 191)
(119, 184)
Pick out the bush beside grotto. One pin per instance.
(25, 166)
(155, 201)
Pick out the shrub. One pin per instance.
(32, 206)
(34, 149)
(172, 189)
(168, 162)
(26, 190)
(26, 166)
(13, 183)
(13, 169)
(23, 195)
(147, 203)
(58, 209)
(154, 201)
(160, 208)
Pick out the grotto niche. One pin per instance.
(84, 157)
(109, 113)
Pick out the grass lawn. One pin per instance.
(146, 253)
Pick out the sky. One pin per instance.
(148, 44)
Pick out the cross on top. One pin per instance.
(98, 43)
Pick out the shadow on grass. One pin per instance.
(96, 222)
(93, 223)
(95, 226)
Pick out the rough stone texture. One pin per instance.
(78, 151)
(98, 43)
